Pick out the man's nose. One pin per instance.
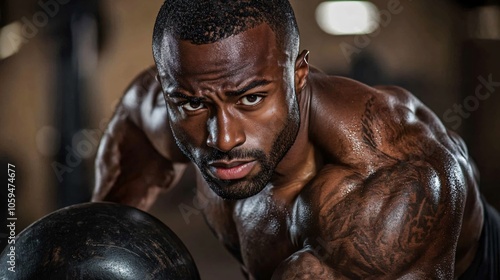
(224, 132)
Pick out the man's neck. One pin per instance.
(300, 163)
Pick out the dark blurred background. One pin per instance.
(65, 63)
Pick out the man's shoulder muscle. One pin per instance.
(145, 105)
(143, 85)
(383, 224)
(356, 124)
(137, 156)
(385, 132)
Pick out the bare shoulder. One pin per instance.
(143, 84)
(369, 128)
(402, 220)
(144, 104)
(394, 187)
(143, 91)
(375, 121)
(137, 156)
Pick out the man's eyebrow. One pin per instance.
(182, 95)
(254, 84)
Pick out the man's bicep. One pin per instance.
(129, 170)
(399, 218)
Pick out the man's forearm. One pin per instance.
(303, 264)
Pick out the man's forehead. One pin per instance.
(254, 46)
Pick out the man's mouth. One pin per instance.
(231, 170)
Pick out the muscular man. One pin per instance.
(309, 176)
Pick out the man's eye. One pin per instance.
(192, 105)
(250, 100)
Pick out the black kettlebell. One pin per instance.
(98, 241)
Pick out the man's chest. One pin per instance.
(256, 230)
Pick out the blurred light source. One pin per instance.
(484, 23)
(347, 17)
(10, 39)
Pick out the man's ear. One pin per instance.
(301, 70)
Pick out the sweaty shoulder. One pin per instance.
(358, 125)
(144, 104)
(395, 185)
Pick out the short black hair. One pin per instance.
(209, 21)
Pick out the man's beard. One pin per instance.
(247, 187)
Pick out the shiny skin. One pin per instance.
(99, 241)
(374, 186)
(243, 107)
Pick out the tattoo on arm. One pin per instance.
(386, 226)
(367, 123)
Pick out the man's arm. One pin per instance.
(402, 222)
(305, 265)
(137, 157)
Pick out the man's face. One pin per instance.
(232, 108)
